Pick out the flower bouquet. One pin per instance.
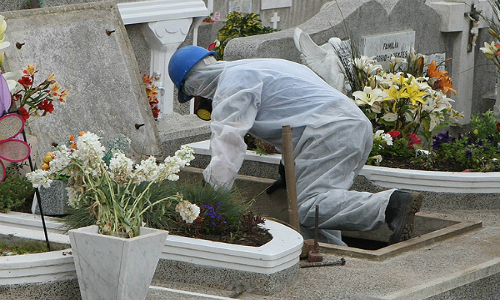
(116, 191)
(406, 103)
(37, 100)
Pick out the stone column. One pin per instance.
(455, 19)
(165, 24)
(164, 38)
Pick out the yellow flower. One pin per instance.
(400, 81)
(52, 77)
(30, 70)
(396, 94)
(414, 94)
(3, 26)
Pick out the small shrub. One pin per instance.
(14, 190)
(239, 25)
(475, 150)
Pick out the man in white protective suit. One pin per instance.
(332, 138)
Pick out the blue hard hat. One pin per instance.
(181, 63)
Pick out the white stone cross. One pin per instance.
(275, 19)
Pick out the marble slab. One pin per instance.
(87, 47)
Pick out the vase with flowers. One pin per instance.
(115, 258)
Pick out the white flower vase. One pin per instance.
(110, 267)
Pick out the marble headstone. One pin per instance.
(87, 47)
(383, 46)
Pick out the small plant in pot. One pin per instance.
(107, 182)
(117, 193)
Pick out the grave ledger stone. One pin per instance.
(88, 49)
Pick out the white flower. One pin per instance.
(186, 153)
(489, 49)
(188, 211)
(377, 158)
(90, 153)
(369, 96)
(147, 170)
(390, 117)
(39, 178)
(75, 194)
(387, 138)
(379, 134)
(397, 62)
(12, 81)
(120, 167)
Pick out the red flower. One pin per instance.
(24, 113)
(498, 126)
(156, 111)
(414, 139)
(25, 81)
(393, 133)
(211, 46)
(46, 105)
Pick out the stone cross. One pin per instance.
(275, 19)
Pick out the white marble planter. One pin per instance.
(110, 267)
(434, 181)
(263, 265)
(280, 253)
(430, 181)
(266, 270)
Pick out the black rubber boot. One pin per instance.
(400, 214)
(280, 183)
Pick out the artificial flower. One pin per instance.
(24, 113)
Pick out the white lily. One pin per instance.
(390, 117)
(369, 96)
(489, 49)
(12, 78)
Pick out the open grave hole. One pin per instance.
(429, 229)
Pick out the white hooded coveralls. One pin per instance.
(332, 138)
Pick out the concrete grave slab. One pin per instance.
(86, 45)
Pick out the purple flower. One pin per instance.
(468, 153)
(440, 139)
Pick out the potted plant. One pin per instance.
(115, 258)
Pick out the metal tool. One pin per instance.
(339, 262)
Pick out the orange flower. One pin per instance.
(72, 142)
(445, 84)
(434, 72)
(81, 133)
